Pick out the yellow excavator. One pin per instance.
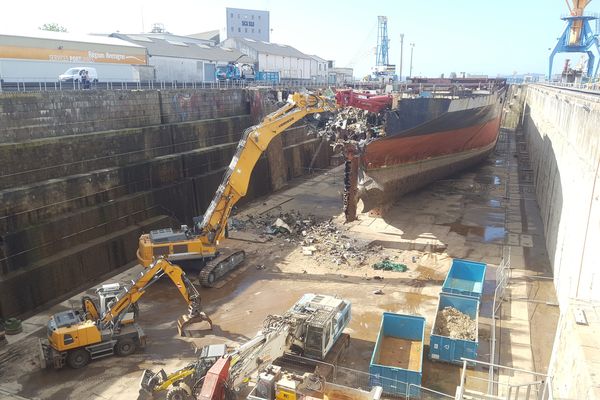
(201, 242)
(77, 336)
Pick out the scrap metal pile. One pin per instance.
(323, 239)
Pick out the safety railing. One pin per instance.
(46, 85)
(354, 379)
(592, 87)
(519, 384)
(502, 278)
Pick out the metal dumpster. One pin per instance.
(397, 360)
(465, 277)
(444, 348)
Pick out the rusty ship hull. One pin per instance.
(427, 139)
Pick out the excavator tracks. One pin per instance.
(220, 266)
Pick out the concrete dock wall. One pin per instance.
(76, 196)
(563, 133)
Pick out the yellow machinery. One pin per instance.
(201, 241)
(76, 337)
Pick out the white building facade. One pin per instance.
(252, 24)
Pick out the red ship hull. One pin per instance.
(445, 137)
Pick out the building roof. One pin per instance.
(183, 47)
(208, 35)
(317, 58)
(272, 48)
(71, 37)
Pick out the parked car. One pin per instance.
(74, 74)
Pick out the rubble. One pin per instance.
(452, 323)
(323, 240)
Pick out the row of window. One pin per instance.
(245, 16)
(245, 30)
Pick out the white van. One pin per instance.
(74, 74)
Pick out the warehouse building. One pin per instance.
(183, 58)
(42, 56)
(288, 61)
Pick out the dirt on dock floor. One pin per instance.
(324, 255)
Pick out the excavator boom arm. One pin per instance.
(254, 142)
(157, 269)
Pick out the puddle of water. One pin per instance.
(492, 233)
(494, 203)
(486, 234)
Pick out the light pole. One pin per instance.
(412, 47)
(401, 51)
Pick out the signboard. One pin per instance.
(74, 56)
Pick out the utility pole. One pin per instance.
(401, 51)
(412, 47)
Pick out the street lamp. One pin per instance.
(412, 47)
(401, 51)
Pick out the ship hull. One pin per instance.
(445, 137)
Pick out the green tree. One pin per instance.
(54, 27)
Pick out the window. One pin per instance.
(239, 29)
(252, 16)
(231, 15)
(258, 30)
(246, 30)
(68, 339)
(232, 29)
(259, 17)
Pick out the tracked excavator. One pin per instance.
(200, 243)
(107, 326)
(313, 327)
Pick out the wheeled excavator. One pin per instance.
(313, 327)
(201, 242)
(108, 326)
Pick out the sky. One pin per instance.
(479, 37)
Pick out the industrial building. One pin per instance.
(42, 56)
(183, 58)
(288, 61)
(251, 24)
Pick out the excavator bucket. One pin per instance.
(193, 316)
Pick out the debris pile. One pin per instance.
(452, 323)
(388, 265)
(324, 240)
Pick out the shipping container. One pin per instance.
(397, 360)
(465, 277)
(444, 348)
(267, 76)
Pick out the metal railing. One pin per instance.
(44, 85)
(359, 380)
(589, 87)
(525, 385)
(502, 278)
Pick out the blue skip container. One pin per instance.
(397, 360)
(444, 348)
(466, 278)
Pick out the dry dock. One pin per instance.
(70, 221)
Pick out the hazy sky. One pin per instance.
(483, 37)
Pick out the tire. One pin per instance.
(78, 358)
(125, 347)
(177, 393)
